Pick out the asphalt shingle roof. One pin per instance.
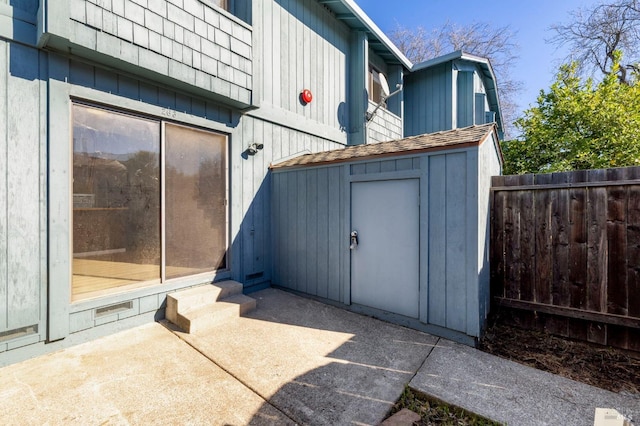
(457, 138)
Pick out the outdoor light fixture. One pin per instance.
(254, 148)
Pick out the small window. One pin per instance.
(375, 86)
(223, 4)
(149, 201)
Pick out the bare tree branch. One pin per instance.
(593, 35)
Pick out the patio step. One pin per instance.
(200, 307)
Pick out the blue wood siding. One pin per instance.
(302, 46)
(488, 165)
(448, 227)
(22, 194)
(94, 77)
(428, 100)
(465, 100)
(308, 231)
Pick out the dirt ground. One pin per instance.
(604, 367)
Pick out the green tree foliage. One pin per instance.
(578, 125)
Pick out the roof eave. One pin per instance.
(367, 24)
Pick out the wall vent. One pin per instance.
(113, 309)
(18, 332)
(254, 276)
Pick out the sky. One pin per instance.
(528, 19)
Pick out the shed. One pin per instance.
(420, 209)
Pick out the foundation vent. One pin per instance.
(113, 309)
(18, 332)
(254, 276)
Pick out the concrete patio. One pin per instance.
(291, 361)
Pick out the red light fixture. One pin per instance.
(306, 96)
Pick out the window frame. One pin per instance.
(373, 79)
(167, 116)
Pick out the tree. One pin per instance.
(595, 33)
(480, 39)
(578, 125)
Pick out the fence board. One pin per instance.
(617, 241)
(527, 245)
(569, 244)
(544, 238)
(577, 247)
(497, 243)
(633, 247)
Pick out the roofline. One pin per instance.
(485, 64)
(373, 28)
(458, 54)
(475, 143)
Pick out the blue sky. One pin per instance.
(529, 19)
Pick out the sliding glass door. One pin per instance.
(149, 201)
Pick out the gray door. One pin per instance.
(385, 263)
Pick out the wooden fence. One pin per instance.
(565, 253)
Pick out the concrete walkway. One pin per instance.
(293, 360)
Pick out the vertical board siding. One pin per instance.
(465, 98)
(292, 31)
(456, 232)
(21, 144)
(93, 77)
(427, 100)
(307, 230)
(448, 223)
(4, 145)
(437, 240)
(571, 244)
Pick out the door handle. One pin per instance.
(354, 240)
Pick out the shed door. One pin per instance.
(384, 265)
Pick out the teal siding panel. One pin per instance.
(307, 228)
(263, 177)
(247, 226)
(312, 231)
(4, 143)
(423, 165)
(465, 99)
(59, 224)
(94, 77)
(322, 261)
(335, 218)
(428, 100)
(108, 82)
(358, 97)
(302, 250)
(480, 115)
(437, 240)
(29, 6)
(456, 243)
(474, 231)
(23, 177)
(291, 234)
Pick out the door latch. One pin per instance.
(354, 240)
